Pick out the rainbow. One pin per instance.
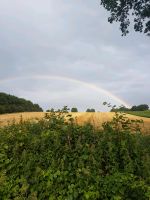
(63, 78)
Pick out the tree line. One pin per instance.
(74, 109)
(13, 104)
(141, 107)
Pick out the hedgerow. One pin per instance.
(57, 159)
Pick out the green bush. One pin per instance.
(58, 159)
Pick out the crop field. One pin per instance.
(97, 118)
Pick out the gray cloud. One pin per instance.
(71, 39)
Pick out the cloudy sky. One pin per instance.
(57, 53)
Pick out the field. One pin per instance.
(140, 113)
(97, 119)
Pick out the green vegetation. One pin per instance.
(13, 104)
(50, 110)
(90, 110)
(141, 107)
(74, 110)
(58, 159)
(141, 110)
(137, 11)
(140, 113)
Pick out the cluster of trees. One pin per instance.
(12, 104)
(90, 110)
(74, 109)
(141, 107)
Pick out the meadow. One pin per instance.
(140, 113)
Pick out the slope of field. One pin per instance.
(97, 119)
(140, 113)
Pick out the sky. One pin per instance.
(58, 53)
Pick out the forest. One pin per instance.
(13, 104)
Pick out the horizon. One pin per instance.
(105, 104)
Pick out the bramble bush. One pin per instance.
(55, 158)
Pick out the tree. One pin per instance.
(90, 110)
(12, 104)
(121, 108)
(122, 10)
(141, 107)
(51, 110)
(74, 110)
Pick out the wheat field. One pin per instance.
(97, 118)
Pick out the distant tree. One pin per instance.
(134, 108)
(50, 110)
(90, 110)
(65, 109)
(142, 107)
(12, 104)
(74, 110)
(121, 109)
(122, 10)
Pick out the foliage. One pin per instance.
(140, 110)
(141, 107)
(90, 110)
(120, 109)
(121, 11)
(50, 110)
(58, 159)
(13, 104)
(74, 110)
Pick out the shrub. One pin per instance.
(58, 159)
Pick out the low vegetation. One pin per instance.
(13, 104)
(140, 110)
(140, 113)
(58, 159)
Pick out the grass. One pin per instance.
(140, 113)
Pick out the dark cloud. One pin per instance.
(71, 39)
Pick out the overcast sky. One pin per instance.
(73, 40)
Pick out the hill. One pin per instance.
(13, 104)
